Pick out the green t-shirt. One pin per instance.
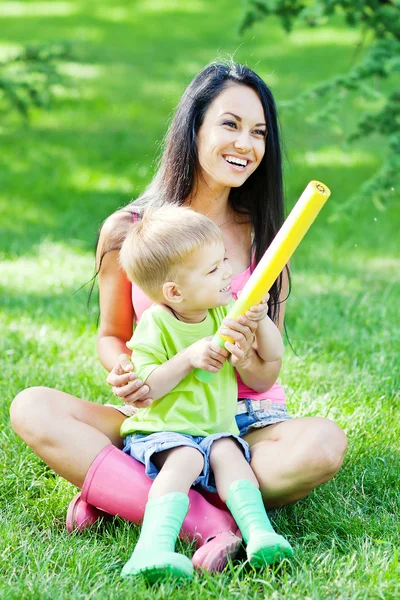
(192, 407)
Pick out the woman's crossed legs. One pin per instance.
(289, 459)
(74, 438)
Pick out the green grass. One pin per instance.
(62, 175)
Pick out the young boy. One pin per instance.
(188, 435)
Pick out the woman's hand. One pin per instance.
(260, 311)
(242, 331)
(125, 384)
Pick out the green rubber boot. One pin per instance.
(154, 555)
(264, 546)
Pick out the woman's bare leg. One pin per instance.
(292, 458)
(70, 434)
(66, 432)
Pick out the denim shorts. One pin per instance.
(257, 419)
(143, 446)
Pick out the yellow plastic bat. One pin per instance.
(276, 257)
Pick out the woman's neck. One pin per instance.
(211, 201)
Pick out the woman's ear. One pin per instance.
(171, 292)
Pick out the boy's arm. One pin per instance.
(200, 355)
(166, 377)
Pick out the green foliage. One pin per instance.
(89, 155)
(27, 78)
(374, 78)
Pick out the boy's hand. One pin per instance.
(259, 312)
(207, 355)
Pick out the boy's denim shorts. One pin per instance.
(143, 446)
(253, 414)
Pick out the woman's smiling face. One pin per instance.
(231, 139)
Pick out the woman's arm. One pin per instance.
(256, 372)
(116, 312)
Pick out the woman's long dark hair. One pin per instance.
(260, 197)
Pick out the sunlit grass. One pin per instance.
(52, 266)
(333, 156)
(174, 6)
(86, 179)
(80, 70)
(325, 36)
(8, 50)
(94, 151)
(37, 9)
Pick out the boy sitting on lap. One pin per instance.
(188, 435)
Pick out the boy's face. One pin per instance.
(204, 279)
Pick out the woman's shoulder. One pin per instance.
(122, 217)
(114, 229)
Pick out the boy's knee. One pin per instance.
(195, 458)
(223, 451)
(223, 445)
(186, 457)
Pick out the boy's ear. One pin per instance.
(171, 292)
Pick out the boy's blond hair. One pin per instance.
(159, 243)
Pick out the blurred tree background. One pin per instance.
(87, 88)
(100, 83)
(374, 76)
(29, 76)
(115, 73)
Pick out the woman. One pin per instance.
(222, 157)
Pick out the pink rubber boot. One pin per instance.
(117, 484)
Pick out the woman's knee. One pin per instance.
(28, 411)
(322, 450)
(307, 451)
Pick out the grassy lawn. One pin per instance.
(62, 175)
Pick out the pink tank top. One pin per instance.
(276, 393)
